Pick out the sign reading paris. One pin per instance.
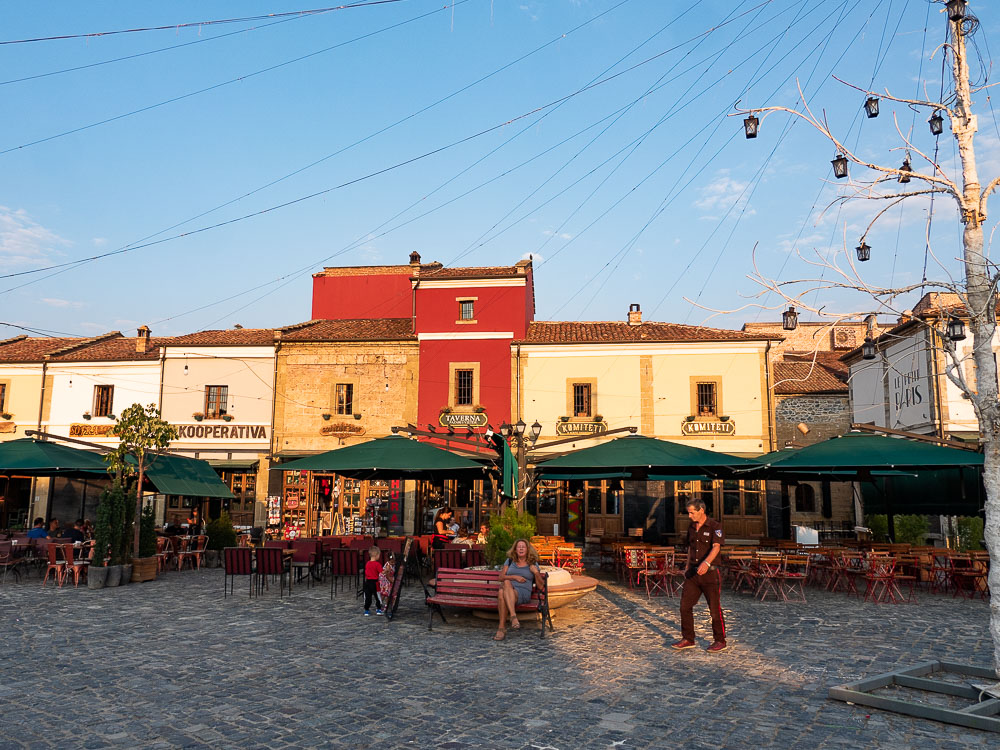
(463, 419)
(708, 428)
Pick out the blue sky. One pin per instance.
(469, 133)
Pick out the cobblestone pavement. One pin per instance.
(171, 664)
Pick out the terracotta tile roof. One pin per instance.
(573, 332)
(227, 337)
(431, 271)
(484, 272)
(384, 329)
(800, 374)
(30, 348)
(110, 347)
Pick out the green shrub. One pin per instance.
(504, 529)
(911, 529)
(147, 531)
(221, 533)
(879, 524)
(969, 532)
(109, 527)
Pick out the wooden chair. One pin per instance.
(794, 577)
(8, 562)
(569, 558)
(906, 574)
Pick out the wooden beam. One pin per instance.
(914, 436)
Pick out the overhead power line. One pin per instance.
(176, 26)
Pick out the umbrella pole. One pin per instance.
(890, 516)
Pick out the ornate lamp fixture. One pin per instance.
(790, 319)
(956, 329)
(868, 348)
(871, 107)
(937, 123)
(839, 166)
(751, 125)
(956, 9)
(864, 252)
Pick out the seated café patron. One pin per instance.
(75, 532)
(38, 530)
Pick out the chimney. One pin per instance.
(414, 258)
(142, 339)
(634, 314)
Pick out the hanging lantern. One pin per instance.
(904, 169)
(864, 252)
(868, 348)
(956, 329)
(840, 166)
(956, 9)
(790, 319)
(936, 123)
(871, 107)
(751, 125)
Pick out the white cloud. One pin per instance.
(24, 241)
(100, 241)
(721, 194)
(56, 302)
(536, 259)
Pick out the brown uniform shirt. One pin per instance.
(700, 541)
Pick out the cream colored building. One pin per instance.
(694, 385)
(218, 390)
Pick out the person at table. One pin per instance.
(704, 541)
(54, 528)
(75, 532)
(88, 529)
(442, 527)
(38, 530)
(517, 575)
(194, 522)
(483, 535)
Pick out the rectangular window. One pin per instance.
(344, 394)
(466, 310)
(103, 398)
(216, 401)
(581, 400)
(463, 387)
(3, 396)
(706, 400)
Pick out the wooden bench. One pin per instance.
(477, 589)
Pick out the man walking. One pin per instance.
(705, 539)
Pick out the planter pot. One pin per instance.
(126, 574)
(211, 558)
(114, 576)
(143, 569)
(96, 577)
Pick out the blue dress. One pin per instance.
(523, 589)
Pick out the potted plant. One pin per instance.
(689, 418)
(598, 418)
(198, 416)
(479, 409)
(357, 415)
(445, 410)
(97, 571)
(144, 564)
(6, 415)
(221, 534)
(108, 551)
(227, 417)
(326, 417)
(563, 419)
(86, 415)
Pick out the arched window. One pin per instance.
(805, 499)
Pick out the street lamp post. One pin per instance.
(522, 443)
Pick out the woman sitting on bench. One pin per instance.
(517, 575)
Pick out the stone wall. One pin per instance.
(826, 415)
(384, 376)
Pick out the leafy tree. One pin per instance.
(911, 529)
(220, 532)
(140, 431)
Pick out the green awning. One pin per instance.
(857, 451)
(179, 475)
(44, 458)
(640, 457)
(389, 457)
(556, 476)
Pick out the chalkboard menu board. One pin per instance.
(397, 580)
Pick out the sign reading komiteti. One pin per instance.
(581, 428)
(708, 428)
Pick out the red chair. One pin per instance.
(74, 566)
(238, 562)
(344, 563)
(8, 561)
(57, 564)
(271, 561)
(306, 557)
(198, 547)
(879, 584)
(655, 573)
(474, 558)
(794, 577)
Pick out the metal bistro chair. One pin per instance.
(344, 563)
(655, 573)
(271, 561)
(794, 578)
(238, 562)
(8, 562)
(879, 582)
(75, 566)
(57, 564)
(769, 570)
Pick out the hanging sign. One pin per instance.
(91, 430)
(342, 429)
(471, 419)
(581, 428)
(708, 428)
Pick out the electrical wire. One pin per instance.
(176, 27)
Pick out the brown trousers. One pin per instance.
(710, 585)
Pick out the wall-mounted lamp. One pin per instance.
(185, 369)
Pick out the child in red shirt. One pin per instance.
(372, 568)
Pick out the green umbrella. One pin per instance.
(43, 458)
(389, 457)
(859, 451)
(180, 475)
(641, 457)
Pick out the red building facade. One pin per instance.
(464, 318)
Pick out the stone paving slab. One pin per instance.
(171, 664)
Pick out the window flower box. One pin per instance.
(198, 416)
